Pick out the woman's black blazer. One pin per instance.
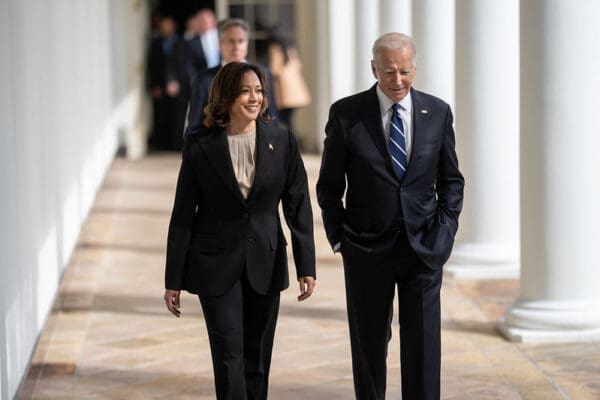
(215, 234)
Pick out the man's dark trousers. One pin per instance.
(370, 287)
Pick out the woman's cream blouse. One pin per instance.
(242, 148)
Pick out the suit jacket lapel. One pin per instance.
(420, 119)
(216, 150)
(372, 119)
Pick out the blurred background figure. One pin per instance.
(290, 88)
(167, 84)
(202, 42)
(155, 18)
(209, 35)
(195, 60)
(233, 44)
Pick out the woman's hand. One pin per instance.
(172, 301)
(307, 284)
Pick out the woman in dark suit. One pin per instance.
(225, 240)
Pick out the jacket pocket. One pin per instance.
(431, 219)
(360, 224)
(276, 242)
(207, 244)
(349, 244)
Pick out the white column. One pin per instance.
(433, 29)
(367, 31)
(341, 49)
(312, 26)
(487, 133)
(560, 159)
(221, 9)
(326, 43)
(130, 117)
(395, 16)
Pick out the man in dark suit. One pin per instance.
(233, 43)
(391, 150)
(202, 42)
(167, 85)
(195, 57)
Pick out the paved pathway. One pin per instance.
(110, 337)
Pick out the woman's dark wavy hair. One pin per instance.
(226, 87)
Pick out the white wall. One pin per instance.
(59, 116)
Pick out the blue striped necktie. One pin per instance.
(397, 143)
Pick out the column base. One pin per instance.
(483, 261)
(551, 321)
(136, 142)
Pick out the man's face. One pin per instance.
(395, 71)
(206, 21)
(167, 27)
(234, 45)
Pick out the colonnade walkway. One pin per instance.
(110, 337)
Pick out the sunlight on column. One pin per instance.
(18, 334)
(70, 223)
(47, 277)
(95, 166)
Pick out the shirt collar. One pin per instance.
(244, 61)
(385, 103)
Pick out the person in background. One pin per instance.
(166, 81)
(225, 240)
(202, 42)
(194, 54)
(209, 35)
(233, 44)
(290, 87)
(391, 192)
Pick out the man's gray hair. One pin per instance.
(225, 24)
(394, 41)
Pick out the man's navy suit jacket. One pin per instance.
(356, 162)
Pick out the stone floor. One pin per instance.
(110, 337)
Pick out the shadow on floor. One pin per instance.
(487, 328)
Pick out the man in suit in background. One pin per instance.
(395, 148)
(195, 59)
(168, 87)
(209, 36)
(233, 44)
(202, 42)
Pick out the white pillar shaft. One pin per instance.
(395, 16)
(487, 125)
(434, 32)
(313, 29)
(560, 160)
(367, 28)
(341, 49)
